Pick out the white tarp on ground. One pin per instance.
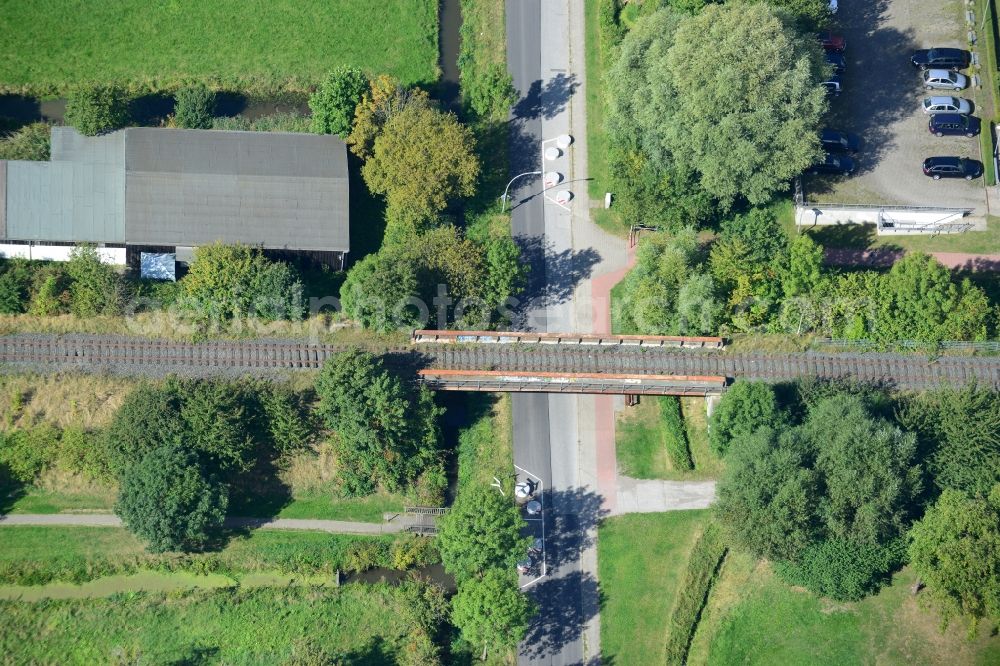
(157, 266)
(108, 255)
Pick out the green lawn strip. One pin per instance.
(641, 560)
(690, 599)
(366, 624)
(986, 96)
(484, 446)
(706, 463)
(256, 46)
(326, 506)
(597, 140)
(38, 500)
(641, 448)
(35, 555)
(752, 618)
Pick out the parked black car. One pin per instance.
(941, 59)
(953, 124)
(838, 165)
(952, 167)
(837, 61)
(835, 141)
(833, 86)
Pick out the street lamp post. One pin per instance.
(503, 199)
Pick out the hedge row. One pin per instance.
(702, 566)
(674, 434)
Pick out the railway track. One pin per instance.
(43, 353)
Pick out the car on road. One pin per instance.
(943, 79)
(952, 167)
(953, 124)
(941, 59)
(835, 141)
(932, 105)
(836, 61)
(832, 42)
(833, 86)
(837, 165)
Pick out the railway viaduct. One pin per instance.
(490, 361)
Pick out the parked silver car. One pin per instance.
(943, 79)
(933, 105)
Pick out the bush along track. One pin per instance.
(703, 565)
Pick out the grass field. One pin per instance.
(34, 555)
(640, 448)
(753, 618)
(360, 624)
(641, 560)
(255, 46)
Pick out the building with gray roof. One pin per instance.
(181, 188)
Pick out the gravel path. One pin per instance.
(111, 520)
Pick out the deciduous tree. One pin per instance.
(422, 160)
(97, 109)
(170, 501)
(748, 123)
(492, 612)
(335, 101)
(744, 408)
(194, 107)
(385, 436)
(482, 531)
(955, 549)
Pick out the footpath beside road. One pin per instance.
(111, 520)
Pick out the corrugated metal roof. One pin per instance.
(279, 190)
(184, 187)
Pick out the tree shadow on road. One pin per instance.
(572, 515)
(546, 101)
(555, 274)
(561, 618)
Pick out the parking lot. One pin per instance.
(881, 103)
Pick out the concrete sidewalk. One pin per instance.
(111, 520)
(651, 496)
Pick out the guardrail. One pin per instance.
(574, 339)
(562, 382)
(957, 345)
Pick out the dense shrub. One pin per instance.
(335, 100)
(288, 422)
(168, 499)
(25, 453)
(95, 288)
(744, 408)
(283, 121)
(699, 575)
(491, 611)
(31, 142)
(844, 570)
(15, 286)
(194, 107)
(960, 429)
(367, 554)
(492, 93)
(611, 31)
(232, 281)
(97, 109)
(674, 434)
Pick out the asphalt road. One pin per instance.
(544, 427)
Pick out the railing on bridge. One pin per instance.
(571, 339)
(569, 382)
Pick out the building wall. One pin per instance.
(109, 255)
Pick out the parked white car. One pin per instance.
(943, 79)
(933, 105)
